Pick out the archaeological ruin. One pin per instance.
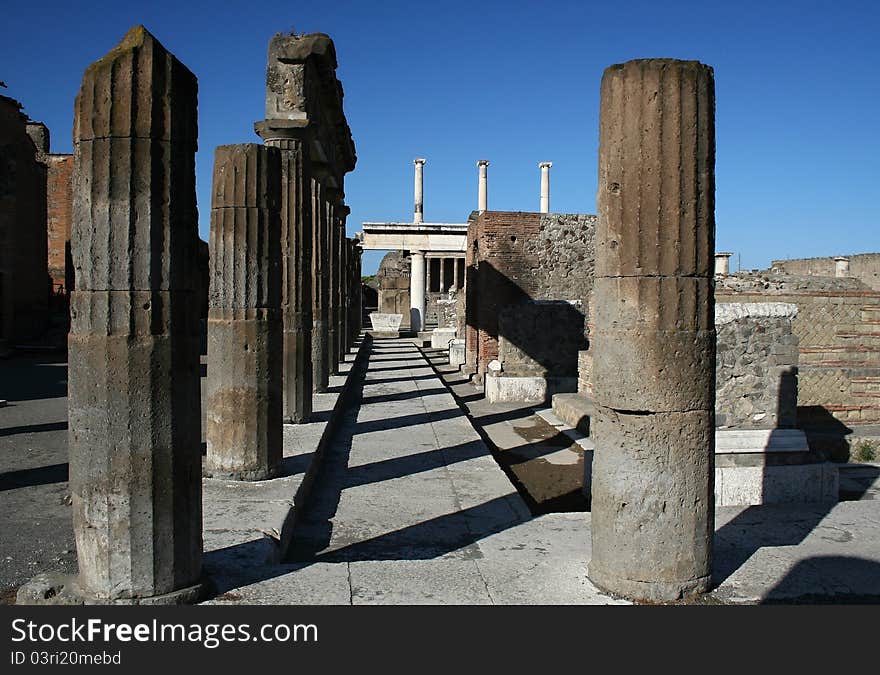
(525, 408)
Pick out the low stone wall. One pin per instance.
(862, 266)
(756, 367)
(541, 338)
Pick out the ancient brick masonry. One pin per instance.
(135, 465)
(244, 393)
(654, 341)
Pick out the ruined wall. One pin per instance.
(59, 211)
(756, 367)
(514, 259)
(392, 279)
(24, 283)
(838, 333)
(862, 266)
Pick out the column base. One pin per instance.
(64, 589)
(647, 591)
(245, 475)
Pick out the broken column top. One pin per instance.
(141, 77)
(302, 91)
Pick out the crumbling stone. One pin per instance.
(135, 473)
(244, 388)
(654, 343)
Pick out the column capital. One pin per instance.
(482, 162)
(419, 161)
(545, 165)
(270, 130)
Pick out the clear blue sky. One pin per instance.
(797, 90)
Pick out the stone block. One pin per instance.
(442, 337)
(659, 371)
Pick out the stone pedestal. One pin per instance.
(135, 464)
(244, 388)
(654, 342)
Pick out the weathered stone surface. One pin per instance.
(320, 288)
(658, 371)
(133, 349)
(757, 370)
(652, 502)
(653, 346)
(244, 395)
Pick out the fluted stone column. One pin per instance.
(417, 291)
(545, 186)
(296, 266)
(654, 338)
(483, 193)
(332, 281)
(133, 406)
(245, 343)
(343, 290)
(320, 288)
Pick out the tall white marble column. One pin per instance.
(545, 186)
(483, 199)
(419, 192)
(417, 291)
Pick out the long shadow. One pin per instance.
(30, 378)
(403, 395)
(392, 380)
(770, 524)
(44, 475)
(33, 428)
(387, 423)
(850, 580)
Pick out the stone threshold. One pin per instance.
(250, 523)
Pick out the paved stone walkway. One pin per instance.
(410, 507)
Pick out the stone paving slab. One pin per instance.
(411, 508)
(249, 523)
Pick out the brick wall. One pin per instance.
(515, 258)
(59, 212)
(839, 351)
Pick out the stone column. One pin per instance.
(442, 273)
(654, 338)
(245, 347)
(321, 289)
(455, 273)
(342, 329)
(296, 266)
(545, 186)
(841, 266)
(483, 196)
(133, 406)
(722, 263)
(332, 281)
(417, 291)
(418, 212)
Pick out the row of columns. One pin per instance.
(482, 190)
(444, 284)
(282, 275)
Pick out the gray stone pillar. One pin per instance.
(654, 338)
(545, 186)
(341, 329)
(442, 274)
(841, 266)
(296, 266)
(483, 193)
(332, 281)
(133, 407)
(418, 211)
(320, 289)
(245, 348)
